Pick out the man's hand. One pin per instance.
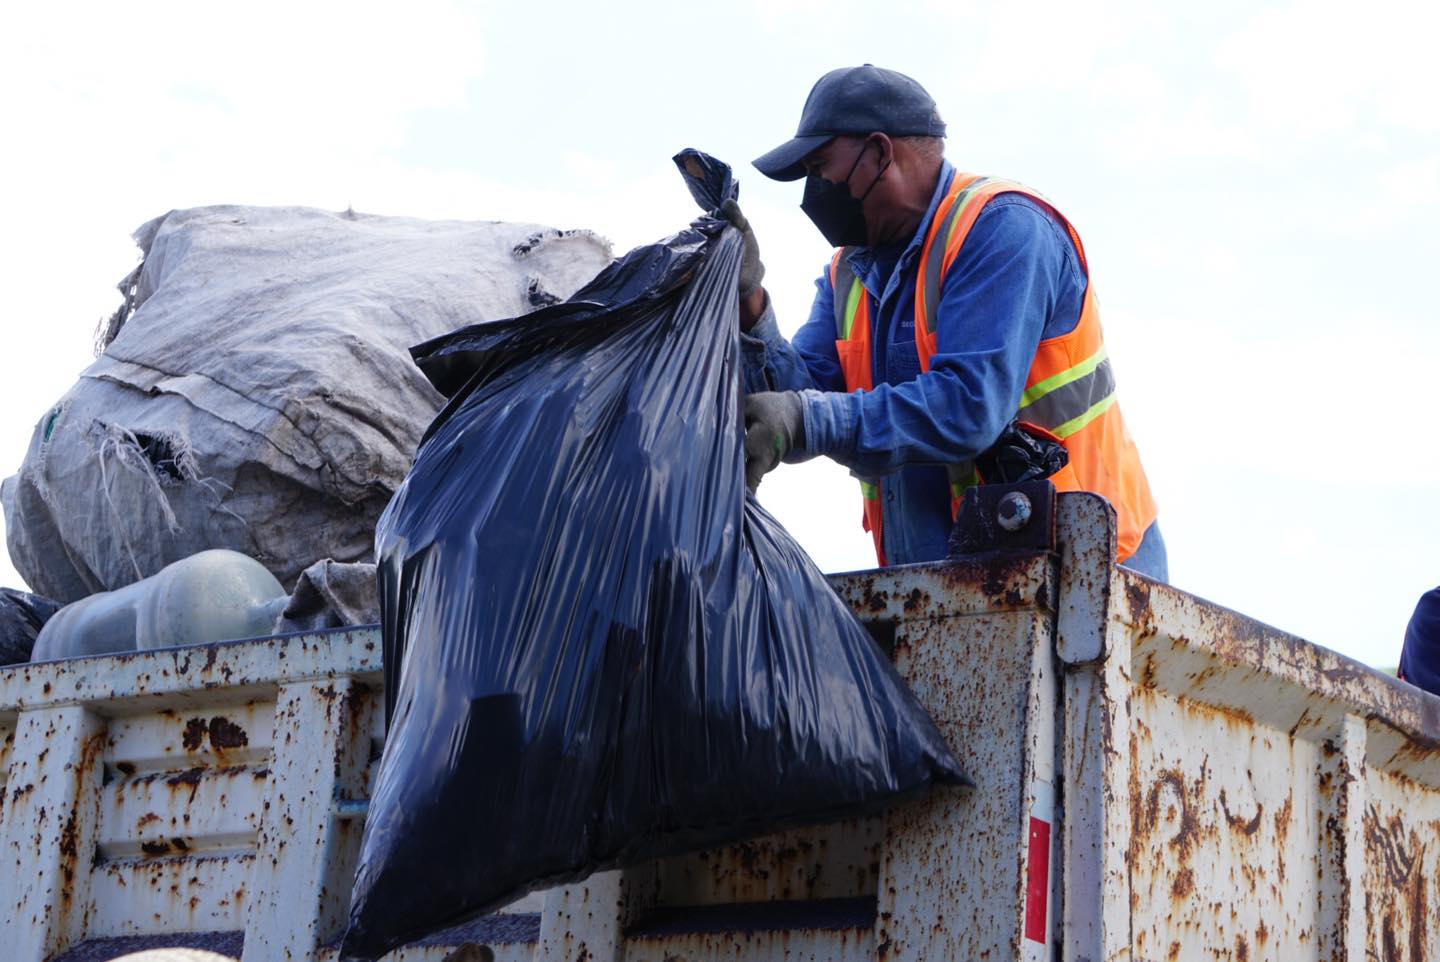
(774, 426)
(752, 269)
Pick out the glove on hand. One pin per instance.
(774, 426)
(752, 271)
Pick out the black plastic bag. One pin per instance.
(1023, 452)
(598, 647)
(22, 615)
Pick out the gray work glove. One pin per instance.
(774, 426)
(752, 271)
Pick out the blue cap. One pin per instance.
(854, 100)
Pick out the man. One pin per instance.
(953, 306)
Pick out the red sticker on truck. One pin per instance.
(1037, 881)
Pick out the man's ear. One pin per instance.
(886, 146)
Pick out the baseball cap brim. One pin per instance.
(786, 162)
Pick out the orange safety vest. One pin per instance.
(1069, 391)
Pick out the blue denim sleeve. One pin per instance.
(997, 300)
(771, 363)
(1420, 654)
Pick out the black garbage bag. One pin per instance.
(22, 615)
(598, 647)
(1023, 452)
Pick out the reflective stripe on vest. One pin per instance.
(1069, 390)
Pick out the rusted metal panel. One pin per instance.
(189, 811)
(1096, 828)
(1158, 779)
(586, 922)
(48, 834)
(838, 860)
(1340, 849)
(1018, 582)
(243, 669)
(1259, 762)
(1087, 557)
(471, 952)
(219, 735)
(954, 869)
(148, 896)
(7, 744)
(1224, 816)
(1401, 880)
(786, 945)
(168, 760)
(1211, 654)
(305, 853)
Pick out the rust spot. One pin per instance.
(1147, 673)
(226, 734)
(1137, 595)
(1184, 837)
(1282, 820)
(221, 731)
(146, 819)
(190, 777)
(1183, 885)
(1242, 949)
(1239, 823)
(155, 847)
(125, 768)
(194, 735)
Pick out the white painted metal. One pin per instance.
(174, 955)
(1211, 788)
(49, 829)
(298, 895)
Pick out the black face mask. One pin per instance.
(837, 213)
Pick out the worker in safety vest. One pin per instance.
(954, 305)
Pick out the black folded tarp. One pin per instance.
(22, 615)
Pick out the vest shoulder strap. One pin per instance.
(843, 293)
(954, 217)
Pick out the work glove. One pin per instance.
(752, 271)
(774, 426)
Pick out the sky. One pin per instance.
(1256, 184)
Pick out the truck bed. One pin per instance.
(1158, 778)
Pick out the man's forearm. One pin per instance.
(752, 307)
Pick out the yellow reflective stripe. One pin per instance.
(1056, 381)
(869, 492)
(958, 488)
(1079, 421)
(852, 306)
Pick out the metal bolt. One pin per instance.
(1013, 511)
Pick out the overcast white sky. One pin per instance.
(1257, 185)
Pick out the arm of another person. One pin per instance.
(771, 363)
(1420, 654)
(995, 305)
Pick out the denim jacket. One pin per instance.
(1017, 280)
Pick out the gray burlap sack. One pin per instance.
(256, 391)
